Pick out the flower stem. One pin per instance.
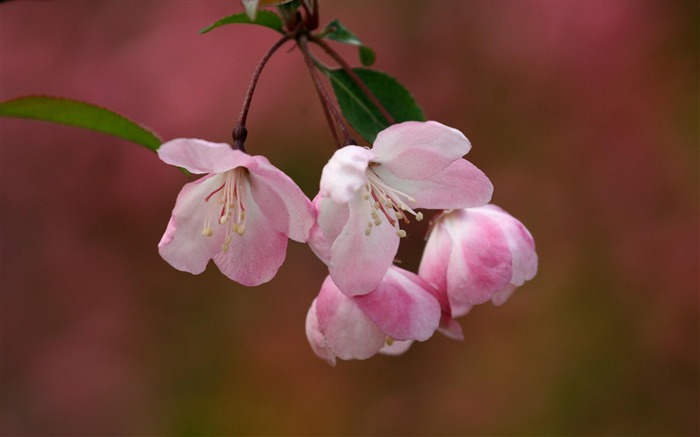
(239, 131)
(346, 67)
(335, 121)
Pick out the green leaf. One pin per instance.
(359, 110)
(367, 56)
(263, 18)
(336, 31)
(79, 114)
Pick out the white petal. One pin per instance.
(344, 175)
(417, 150)
(199, 156)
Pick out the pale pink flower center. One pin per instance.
(227, 206)
(382, 198)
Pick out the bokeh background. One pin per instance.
(583, 114)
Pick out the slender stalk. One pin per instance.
(346, 67)
(329, 108)
(239, 131)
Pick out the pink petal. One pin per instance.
(344, 175)
(281, 201)
(183, 246)
(348, 331)
(434, 266)
(199, 156)
(480, 263)
(316, 338)
(254, 257)
(417, 150)
(520, 242)
(359, 261)
(436, 257)
(460, 185)
(451, 329)
(501, 296)
(318, 242)
(460, 309)
(402, 307)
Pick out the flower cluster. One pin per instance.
(242, 212)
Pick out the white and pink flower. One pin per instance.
(240, 214)
(403, 308)
(366, 194)
(478, 254)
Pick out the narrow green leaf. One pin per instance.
(336, 31)
(263, 18)
(79, 114)
(359, 110)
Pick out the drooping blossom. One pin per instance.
(403, 308)
(478, 254)
(366, 193)
(240, 214)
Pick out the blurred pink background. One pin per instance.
(583, 114)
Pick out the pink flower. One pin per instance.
(477, 255)
(239, 215)
(401, 309)
(366, 193)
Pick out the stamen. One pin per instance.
(387, 200)
(229, 204)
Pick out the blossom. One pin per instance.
(366, 193)
(240, 214)
(401, 309)
(251, 6)
(478, 254)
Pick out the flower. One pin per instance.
(401, 309)
(478, 254)
(251, 6)
(366, 193)
(239, 215)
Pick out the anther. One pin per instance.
(401, 233)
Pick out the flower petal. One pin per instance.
(417, 150)
(315, 336)
(436, 256)
(254, 257)
(359, 261)
(501, 296)
(344, 174)
(348, 331)
(481, 262)
(183, 246)
(199, 156)
(520, 242)
(401, 307)
(451, 329)
(281, 200)
(460, 185)
(331, 219)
